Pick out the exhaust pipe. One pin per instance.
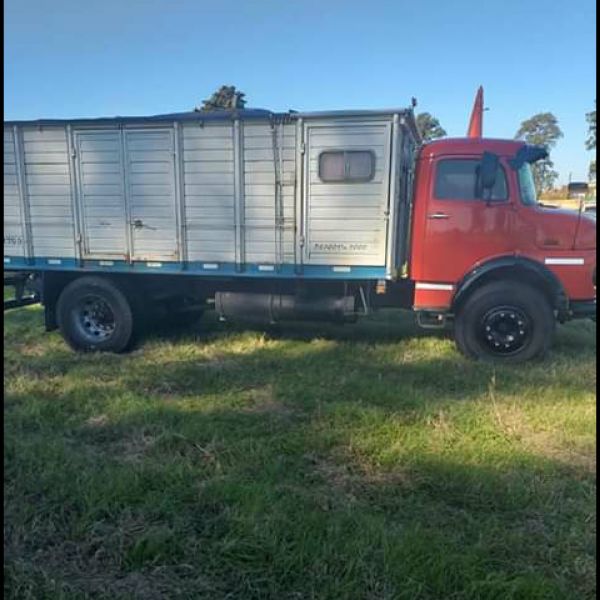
(273, 308)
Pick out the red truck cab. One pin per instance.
(496, 261)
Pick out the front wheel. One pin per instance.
(505, 322)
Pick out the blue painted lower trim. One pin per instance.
(196, 268)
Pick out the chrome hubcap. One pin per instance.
(95, 319)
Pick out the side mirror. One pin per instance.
(488, 170)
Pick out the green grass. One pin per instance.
(363, 462)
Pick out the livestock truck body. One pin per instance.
(318, 216)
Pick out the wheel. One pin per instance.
(505, 322)
(93, 314)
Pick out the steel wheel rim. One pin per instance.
(95, 319)
(505, 330)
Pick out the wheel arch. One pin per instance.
(515, 268)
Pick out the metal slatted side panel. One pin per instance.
(48, 191)
(209, 192)
(14, 219)
(346, 222)
(269, 193)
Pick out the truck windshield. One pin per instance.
(527, 185)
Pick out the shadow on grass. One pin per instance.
(304, 370)
(231, 504)
(295, 466)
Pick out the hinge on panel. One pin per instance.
(73, 153)
(302, 240)
(302, 148)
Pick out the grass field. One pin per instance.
(368, 462)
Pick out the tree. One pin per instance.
(590, 117)
(429, 127)
(225, 98)
(542, 130)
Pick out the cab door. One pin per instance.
(462, 228)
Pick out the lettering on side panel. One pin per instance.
(340, 247)
(14, 241)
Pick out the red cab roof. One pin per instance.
(470, 146)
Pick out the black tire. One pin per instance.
(507, 322)
(94, 315)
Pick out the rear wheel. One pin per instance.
(93, 314)
(505, 322)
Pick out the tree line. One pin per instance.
(541, 129)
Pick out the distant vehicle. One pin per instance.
(577, 189)
(316, 216)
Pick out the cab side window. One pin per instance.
(457, 179)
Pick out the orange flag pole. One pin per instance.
(476, 123)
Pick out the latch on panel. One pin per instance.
(139, 224)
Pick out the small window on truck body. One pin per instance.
(457, 179)
(346, 166)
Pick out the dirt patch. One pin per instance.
(513, 423)
(133, 449)
(95, 565)
(349, 481)
(99, 439)
(33, 349)
(97, 421)
(73, 576)
(263, 401)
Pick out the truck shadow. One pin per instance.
(303, 370)
(386, 326)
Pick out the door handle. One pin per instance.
(438, 215)
(139, 224)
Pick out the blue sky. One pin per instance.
(68, 58)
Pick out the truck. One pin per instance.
(114, 223)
